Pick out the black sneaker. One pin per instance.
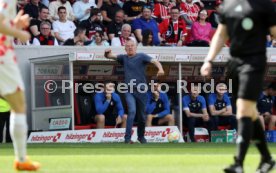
(234, 168)
(142, 140)
(265, 167)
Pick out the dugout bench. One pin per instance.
(50, 73)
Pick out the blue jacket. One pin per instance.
(151, 104)
(101, 104)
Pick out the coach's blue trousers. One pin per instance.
(136, 103)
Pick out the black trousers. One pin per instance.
(224, 120)
(194, 121)
(5, 120)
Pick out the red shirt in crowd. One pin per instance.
(172, 31)
(162, 11)
(190, 10)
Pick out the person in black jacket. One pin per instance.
(79, 37)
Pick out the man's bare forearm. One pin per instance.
(157, 64)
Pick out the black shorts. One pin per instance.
(247, 76)
(155, 121)
(110, 120)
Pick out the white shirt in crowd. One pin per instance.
(117, 42)
(80, 7)
(53, 10)
(65, 30)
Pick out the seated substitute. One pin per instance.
(220, 108)
(194, 106)
(158, 108)
(109, 108)
(265, 104)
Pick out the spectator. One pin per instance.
(32, 8)
(45, 2)
(82, 9)
(158, 108)
(133, 9)
(63, 28)
(173, 30)
(35, 23)
(109, 10)
(265, 104)
(98, 40)
(79, 37)
(146, 22)
(79, 43)
(5, 120)
(147, 38)
(53, 9)
(221, 109)
(115, 27)
(126, 34)
(195, 110)
(201, 31)
(93, 24)
(214, 16)
(199, 3)
(98, 2)
(106, 103)
(45, 37)
(21, 4)
(189, 11)
(162, 10)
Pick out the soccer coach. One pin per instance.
(245, 23)
(134, 69)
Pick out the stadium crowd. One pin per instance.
(149, 22)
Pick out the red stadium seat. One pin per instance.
(209, 12)
(224, 127)
(188, 37)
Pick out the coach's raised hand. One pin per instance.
(160, 72)
(206, 69)
(108, 54)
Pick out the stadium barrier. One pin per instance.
(152, 134)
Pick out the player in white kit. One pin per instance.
(11, 84)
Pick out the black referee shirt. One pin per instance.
(247, 24)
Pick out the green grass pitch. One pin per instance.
(135, 158)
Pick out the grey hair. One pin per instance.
(126, 25)
(45, 23)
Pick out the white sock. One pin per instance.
(18, 131)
